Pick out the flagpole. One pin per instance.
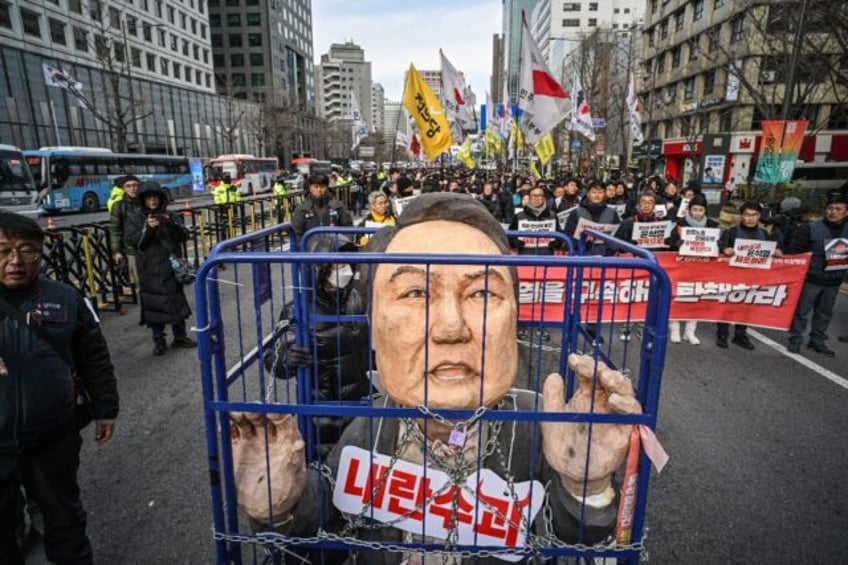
(397, 120)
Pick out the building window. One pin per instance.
(80, 39)
(627, 10)
(183, 20)
(251, 3)
(205, 56)
(699, 10)
(195, 52)
(147, 31)
(193, 26)
(75, 6)
(94, 10)
(214, 3)
(202, 9)
(653, 6)
(162, 37)
(114, 18)
(571, 22)
(175, 46)
(208, 80)
(218, 59)
(57, 31)
(664, 29)
(135, 57)
(838, 117)
(187, 73)
(256, 60)
(593, 22)
(737, 26)
(689, 88)
(31, 23)
(234, 20)
(661, 63)
(254, 19)
(151, 61)
(203, 30)
(132, 26)
(237, 60)
(118, 49)
(171, 14)
(593, 6)
(232, 3)
(670, 94)
(685, 126)
(235, 40)
(257, 79)
(163, 66)
(145, 5)
(695, 48)
(254, 39)
(675, 57)
(237, 79)
(709, 82)
(679, 16)
(651, 38)
(616, 11)
(185, 47)
(198, 77)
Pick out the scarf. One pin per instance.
(536, 211)
(692, 222)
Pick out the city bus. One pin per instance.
(251, 175)
(80, 178)
(18, 191)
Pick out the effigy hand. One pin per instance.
(269, 468)
(567, 445)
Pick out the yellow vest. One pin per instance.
(219, 193)
(279, 189)
(116, 195)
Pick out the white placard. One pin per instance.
(753, 253)
(699, 242)
(583, 224)
(620, 209)
(399, 492)
(660, 211)
(537, 226)
(399, 203)
(562, 217)
(651, 235)
(683, 208)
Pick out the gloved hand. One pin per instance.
(298, 356)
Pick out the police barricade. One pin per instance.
(486, 489)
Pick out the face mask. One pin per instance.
(341, 277)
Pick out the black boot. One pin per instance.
(159, 347)
(184, 342)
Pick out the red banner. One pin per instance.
(706, 289)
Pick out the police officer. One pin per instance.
(319, 208)
(280, 192)
(117, 192)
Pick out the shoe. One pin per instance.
(721, 341)
(624, 335)
(794, 348)
(743, 341)
(184, 341)
(689, 334)
(843, 338)
(674, 332)
(821, 348)
(159, 348)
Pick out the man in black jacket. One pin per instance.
(40, 419)
(319, 208)
(827, 271)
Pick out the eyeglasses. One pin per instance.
(26, 254)
(753, 215)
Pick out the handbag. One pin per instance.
(183, 272)
(83, 410)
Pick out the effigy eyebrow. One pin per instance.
(411, 270)
(482, 273)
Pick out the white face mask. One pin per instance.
(340, 277)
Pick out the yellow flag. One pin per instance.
(545, 148)
(493, 141)
(518, 136)
(464, 154)
(533, 170)
(423, 105)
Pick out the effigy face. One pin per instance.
(444, 335)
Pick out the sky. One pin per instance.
(395, 33)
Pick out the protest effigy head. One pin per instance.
(444, 335)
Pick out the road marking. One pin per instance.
(831, 376)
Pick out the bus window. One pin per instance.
(34, 163)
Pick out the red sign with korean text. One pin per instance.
(706, 289)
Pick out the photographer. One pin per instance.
(157, 234)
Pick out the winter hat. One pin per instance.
(789, 204)
(403, 183)
(698, 200)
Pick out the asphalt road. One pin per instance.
(757, 443)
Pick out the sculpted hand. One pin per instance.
(285, 466)
(566, 445)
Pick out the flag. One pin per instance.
(61, 79)
(358, 127)
(402, 139)
(456, 96)
(545, 148)
(414, 145)
(534, 170)
(581, 118)
(464, 154)
(505, 117)
(635, 109)
(516, 139)
(494, 143)
(420, 101)
(542, 100)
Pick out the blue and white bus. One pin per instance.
(82, 178)
(18, 191)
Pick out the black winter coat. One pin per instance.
(162, 298)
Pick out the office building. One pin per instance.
(343, 71)
(497, 84)
(377, 108)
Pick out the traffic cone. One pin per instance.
(51, 223)
(187, 209)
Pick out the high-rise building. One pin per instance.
(496, 86)
(159, 49)
(433, 80)
(511, 34)
(377, 108)
(262, 51)
(396, 120)
(342, 72)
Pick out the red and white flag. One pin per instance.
(581, 119)
(415, 145)
(455, 96)
(635, 110)
(543, 101)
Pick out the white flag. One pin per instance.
(541, 98)
(61, 79)
(401, 139)
(634, 108)
(455, 96)
(581, 118)
(358, 127)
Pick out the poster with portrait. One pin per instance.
(713, 169)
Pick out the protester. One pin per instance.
(471, 362)
(696, 217)
(319, 209)
(379, 214)
(821, 286)
(54, 354)
(157, 235)
(787, 220)
(123, 208)
(593, 209)
(492, 202)
(748, 228)
(535, 216)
